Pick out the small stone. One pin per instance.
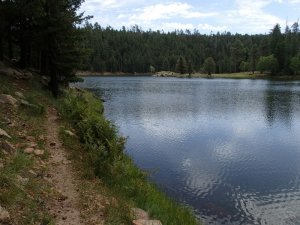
(32, 172)
(22, 179)
(4, 215)
(26, 103)
(7, 147)
(33, 145)
(41, 138)
(30, 138)
(1, 165)
(19, 94)
(70, 133)
(8, 99)
(28, 150)
(3, 133)
(39, 152)
(146, 222)
(27, 75)
(139, 214)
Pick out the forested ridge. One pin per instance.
(134, 50)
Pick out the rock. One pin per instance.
(70, 133)
(19, 94)
(146, 222)
(30, 138)
(33, 145)
(39, 152)
(139, 214)
(27, 75)
(4, 215)
(27, 104)
(44, 80)
(8, 147)
(28, 150)
(3, 133)
(1, 165)
(42, 138)
(8, 99)
(22, 179)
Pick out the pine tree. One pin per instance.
(181, 66)
(209, 65)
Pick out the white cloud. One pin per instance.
(209, 27)
(251, 16)
(177, 26)
(168, 11)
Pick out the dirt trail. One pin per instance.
(65, 206)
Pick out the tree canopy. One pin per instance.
(42, 34)
(209, 65)
(135, 50)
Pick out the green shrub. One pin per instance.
(99, 135)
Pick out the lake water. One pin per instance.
(230, 149)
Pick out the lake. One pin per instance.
(229, 149)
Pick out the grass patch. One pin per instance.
(22, 192)
(103, 155)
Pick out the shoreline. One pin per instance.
(241, 75)
(109, 74)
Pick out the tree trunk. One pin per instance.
(1, 48)
(10, 46)
(23, 54)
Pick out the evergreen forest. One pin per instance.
(134, 50)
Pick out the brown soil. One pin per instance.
(64, 207)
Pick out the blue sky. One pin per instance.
(236, 16)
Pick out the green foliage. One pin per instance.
(295, 64)
(152, 69)
(100, 137)
(17, 195)
(181, 66)
(268, 64)
(209, 65)
(244, 66)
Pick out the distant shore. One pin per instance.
(240, 75)
(116, 74)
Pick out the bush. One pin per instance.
(98, 135)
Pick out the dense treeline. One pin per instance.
(42, 34)
(134, 50)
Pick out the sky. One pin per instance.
(235, 16)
